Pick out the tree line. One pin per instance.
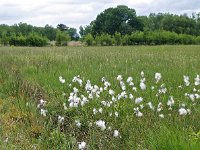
(121, 26)
(114, 26)
(23, 34)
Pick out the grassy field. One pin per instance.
(107, 116)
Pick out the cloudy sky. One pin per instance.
(74, 13)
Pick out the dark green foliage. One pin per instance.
(142, 38)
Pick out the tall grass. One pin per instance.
(30, 74)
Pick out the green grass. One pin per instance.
(29, 74)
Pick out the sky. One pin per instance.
(74, 13)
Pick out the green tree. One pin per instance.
(120, 19)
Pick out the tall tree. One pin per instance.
(120, 19)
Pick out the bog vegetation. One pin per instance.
(113, 26)
(100, 97)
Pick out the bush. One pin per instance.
(62, 38)
(106, 40)
(118, 38)
(89, 40)
(36, 40)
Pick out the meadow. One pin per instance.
(106, 98)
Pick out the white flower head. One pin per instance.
(60, 119)
(101, 124)
(119, 78)
(157, 77)
(138, 100)
(182, 112)
(61, 80)
(82, 145)
(116, 133)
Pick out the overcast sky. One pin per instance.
(74, 13)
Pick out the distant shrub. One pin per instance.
(118, 38)
(106, 40)
(36, 40)
(62, 38)
(89, 40)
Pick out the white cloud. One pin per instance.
(78, 12)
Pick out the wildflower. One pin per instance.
(61, 80)
(111, 92)
(119, 78)
(157, 77)
(150, 105)
(170, 102)
(137, 112)
(186, 80)
(82, 146)
(161, 116)
(116, 114)
(129, 80)
(43, 112)
(160, 107)
(64, 105)
(60, 119)
(95, 111)
(182, 112)
(142, 74)
(78, 124)
(134, 89)
(152, 87)
(197, 80)
(138, 100)
(101, 124)
(131, 96)
(189, 111)
(109, 128)
(142, 86)
(100, 110)
(116, 133)
(41, 103)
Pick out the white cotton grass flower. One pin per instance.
(157, 77)
(100, 110)
(150, 105)
(131, 96)
(43, 112)
(60, 119)
(65, 106)
(170, 102)
(138, 100)
(129, 80)
(95, 111)
(160, 107)
(137, 112)
(41, 103)
(197, 80)
(78, 123)
(182, 112)
(111, 92)
(61, 80)
(142, 86)
(78, 79)
(186, 80)
(116, 133)
(82, 145)
(119, 78)
(162, 89)
(142, 74)
(161, 116)
(101, 124)
(116, 114)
